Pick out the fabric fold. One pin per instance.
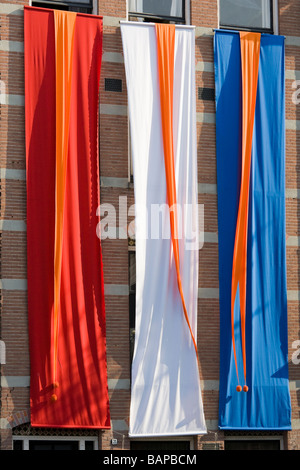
(250, 50)
(165, 393)
(64, 25)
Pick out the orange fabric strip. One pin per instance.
(165, 36)
(64, 39)
(250, 51)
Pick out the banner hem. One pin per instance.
(237, 31)
(193, 433)
(255, 428)
(181, 26)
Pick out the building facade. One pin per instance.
(117, 188)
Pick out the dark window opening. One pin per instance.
(206, 94)
(160, 445)
(132, 290)
(113, 84)
(255, 444)
(18, 444)
(89, 445)
(53, 445)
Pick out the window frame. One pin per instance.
(273, 18)
(163, 18)
(66, 5)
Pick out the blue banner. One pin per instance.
(266, 405)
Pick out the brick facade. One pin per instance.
(114, 172)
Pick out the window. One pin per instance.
(26, 437)
(258, 440)
(81, 6)
(54, 443)
(254, 15)
(156, 10)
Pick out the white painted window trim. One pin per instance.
(95, 7)
(2, 352)
(187, 12)
(275, 17)
(81, 439)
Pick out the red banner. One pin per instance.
(66, 309)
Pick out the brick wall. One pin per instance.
(113, 127)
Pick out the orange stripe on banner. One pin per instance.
(165, 36)
(64, 39)
(250, 51)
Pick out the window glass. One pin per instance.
(53, 445)
(81, 6)
(156, 8)
(89, 445)
(160, 445)
(248, 14)
(18, 444)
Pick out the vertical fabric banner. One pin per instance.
(166, 394)
(250, 129)
(66, 309)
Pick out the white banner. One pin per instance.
(166, 394)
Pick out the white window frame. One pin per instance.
(80, 439)
(275, 15)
